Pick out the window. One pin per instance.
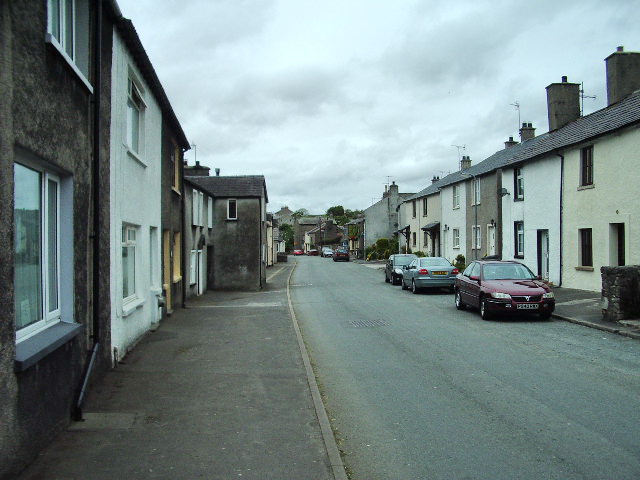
(425, 239)
(456, 196)
(585, 247)
(413, 238)
(586, 166)
(174, 161)
(456, 238)
(518, 184)
(232, 209)
(209, 212)
(135, 111)
(476, 191)
(424, 207)
(475, 232)
(192, 267)
(177, 257)
(518, 228)
(413, 208)
(197, 207)
(128, 261)
(68, 32)
(37, 249)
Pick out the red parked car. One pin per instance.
(298, 252)
(313, 252)
(499, 287)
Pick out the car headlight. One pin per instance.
(503, 296)
(548, 295)
(399, 271)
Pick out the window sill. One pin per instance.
(35, 348)
(176, 191)
(521, 199)
(584, 269)
(177, 279)
(135, 156)
(586, 187)
(131, 306)
(520, 257)
(232, 219)
(51, 40)
(456, 208)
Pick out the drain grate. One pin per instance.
(368, 323)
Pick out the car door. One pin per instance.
(408, 272)
(465, 283)
(473, 291)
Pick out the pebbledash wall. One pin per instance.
(46, 131)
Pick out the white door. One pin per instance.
(491, 240)
(544, 254)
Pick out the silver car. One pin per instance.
(429, 272)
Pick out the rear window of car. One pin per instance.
(434, 262)
(402, 260)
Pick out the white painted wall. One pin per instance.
(135, 183)
(453, 218)
(613, 199)
(540, 210)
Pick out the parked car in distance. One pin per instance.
(393, 267)
(341, 254)
(502, 287)
(313, 252)
(297, 251)
(429, 272)
(327, 252)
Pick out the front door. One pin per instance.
(543, 254)
(201, 272)
(491, 240)
(166, 267)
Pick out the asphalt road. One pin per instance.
(418, 390)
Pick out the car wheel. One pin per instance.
(484, 311)
(459, 304)
(335, 260)
(404, 287)
(414, 289)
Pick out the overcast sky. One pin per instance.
(327, 99)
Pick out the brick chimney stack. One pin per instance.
(510, 143)
(465, 162)
(563, 102)
(623, 74)
(527, 132)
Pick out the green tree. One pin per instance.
(287, 234)
(299, 213)
(337, 211)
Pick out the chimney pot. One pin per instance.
(620, 49)
(218, 173)
(564, 79)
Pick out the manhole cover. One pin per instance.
(368, 323)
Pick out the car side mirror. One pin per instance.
(539, 277)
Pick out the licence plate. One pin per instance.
(439, 273)
(527, 306)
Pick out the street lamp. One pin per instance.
(475, 228)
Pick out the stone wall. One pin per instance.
(620, 292)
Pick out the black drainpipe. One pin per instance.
(97, 140)
(561, 212)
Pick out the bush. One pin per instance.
(459, 262)
(419, 254)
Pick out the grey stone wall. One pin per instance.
(620, 292)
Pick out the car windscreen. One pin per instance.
(506, 272)
(402, 260)
(434, 262)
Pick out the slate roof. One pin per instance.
(605, 121)
(232, 186)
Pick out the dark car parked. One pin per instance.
(341, 254)
(393, 268)
(502, 287)
(428, 272)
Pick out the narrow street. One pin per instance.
(418, 390)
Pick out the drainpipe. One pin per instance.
(183, 235)
(561, 213)
(97, 140)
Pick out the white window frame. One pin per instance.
(135, 102)
(235, 201)
(519, 239)
(476, 236)
(209, 212)
(47, 317)
(455, 238)
(456, 196)
(60, 14)
(129, 240)
(518, 184)
(424, 206)
(476, 191)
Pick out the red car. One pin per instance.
(313, 252)
(298, 252)
(341, 254)
(499, 287)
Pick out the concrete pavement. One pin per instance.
(221, 390)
